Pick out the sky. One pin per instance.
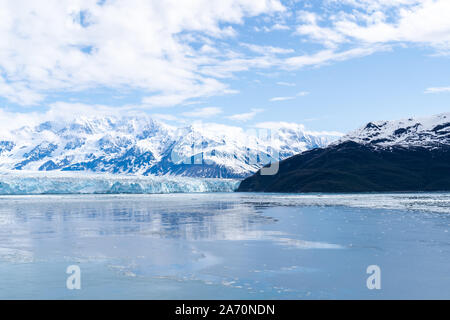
(331, 65)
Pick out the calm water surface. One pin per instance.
(225, 246)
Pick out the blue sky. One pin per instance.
(331, 65)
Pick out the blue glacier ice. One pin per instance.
(22, 183)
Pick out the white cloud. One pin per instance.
(277, 99)
(74, 45)
(423, 22)
(311, 28)
(165, 117)
(13, 120)
(275, 27)
(226, 68)
(243, 117)
(265, 50)
(374, 5)
(279, 26)
(174, 52)
(286, 84)
(294, 126)
(170, 97)
(60, 111)
(437, 90)
(203, 112)
(19, 93)
(277, 125)
(300, 94)
(328, 55)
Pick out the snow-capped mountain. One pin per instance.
(143, 146)
(430, 132)
(386, 156)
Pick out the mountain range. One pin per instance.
(403, 155)
(144, 146)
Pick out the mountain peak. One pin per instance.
(381, 156)
(141, 145)
(425, 132)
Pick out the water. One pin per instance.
(225, 246)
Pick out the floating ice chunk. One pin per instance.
(15, 255)
(302, 244)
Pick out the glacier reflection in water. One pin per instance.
(225, 245)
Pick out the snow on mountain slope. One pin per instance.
(411, 155)
(427, 132)
(142, 146)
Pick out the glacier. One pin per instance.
(40, 183)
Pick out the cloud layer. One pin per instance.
(173, 52)
(74, 45)
(421, 22)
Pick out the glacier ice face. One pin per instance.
(23, 183)
(140, 145)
